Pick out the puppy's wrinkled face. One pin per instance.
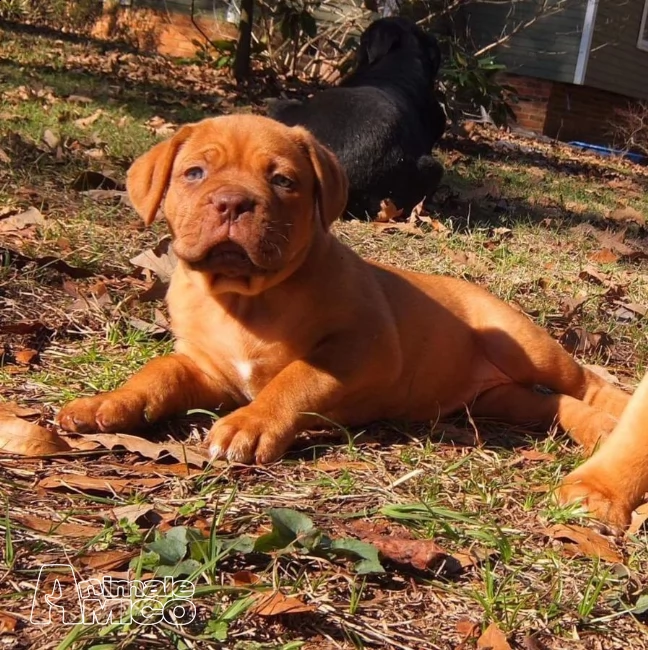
(245, 196)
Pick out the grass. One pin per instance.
(512, 215)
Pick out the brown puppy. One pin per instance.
(277, 319)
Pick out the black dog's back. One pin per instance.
(383, 119)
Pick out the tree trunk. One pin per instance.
(244, 43)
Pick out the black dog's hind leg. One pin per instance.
(430, 173)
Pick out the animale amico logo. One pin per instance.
(60, 598)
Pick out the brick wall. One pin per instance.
(565, 111)
(166, 32)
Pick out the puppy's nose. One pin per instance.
(231, 205)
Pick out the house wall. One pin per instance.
(547, 49)
(566, 111)
(616, 64)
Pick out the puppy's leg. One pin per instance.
(165, 386)
(614, 480)
(517, 404)
(528, 355)
(331, 384)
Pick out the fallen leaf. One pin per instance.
(592, 275)
(136, 444)
(534, 455)
(467, 629)
(639, 517)
(333, 465)
(493, 639)
(98, 484)
(7, 623)
(577, 340)
(161, 260)
(131, 512)
(79, 99)
(604, 256)
(422, 554)
(11, 408)
(627, 213)
(106, 560)
(245, 577)
(27, 439)
(91, 180)
(62, 528)
(404, 227)
(31, 216)
(85, 122)
(25, 356)
(277, 603)
(51, 139)
(4, 157)
(578, 540)
(388, 211)
(603, 373)
(572, 305)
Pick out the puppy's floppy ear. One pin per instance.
(332, 185)
(148, 177)
(377, 41)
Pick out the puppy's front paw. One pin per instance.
(243, 437)
(120, 410)
(602, 500)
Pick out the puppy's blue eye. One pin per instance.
(194, 173)
(282, 181)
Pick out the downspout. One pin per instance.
(586, 42)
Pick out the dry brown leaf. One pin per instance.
(276, 604)
(161, 260)
(467, 629)
(585, 541)
(572, 305)
(535, 455)
(136, 444)
(7, 623)
(131, 512)
(30, 217)
(639, 517)
(604, 256)
(27, 439)
(627, 213)
(335, 465)
(84, 122)
(25, 356)
(603, 373)
(422, 554)
(62, 528)
(51, 139)
(245, 577)
(579, 340)
(493, 639)
(106, 560)
(11, 408)
(98, 484)
(404, 227)
(592, 275)
(388, 211)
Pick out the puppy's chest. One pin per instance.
(246, 358)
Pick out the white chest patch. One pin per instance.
(244, 370)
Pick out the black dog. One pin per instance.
(383, 120)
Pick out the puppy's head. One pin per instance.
(244, 197)
(388, 35)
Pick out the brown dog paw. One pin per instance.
(242, 437)
(603, 502)
(107, 412)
